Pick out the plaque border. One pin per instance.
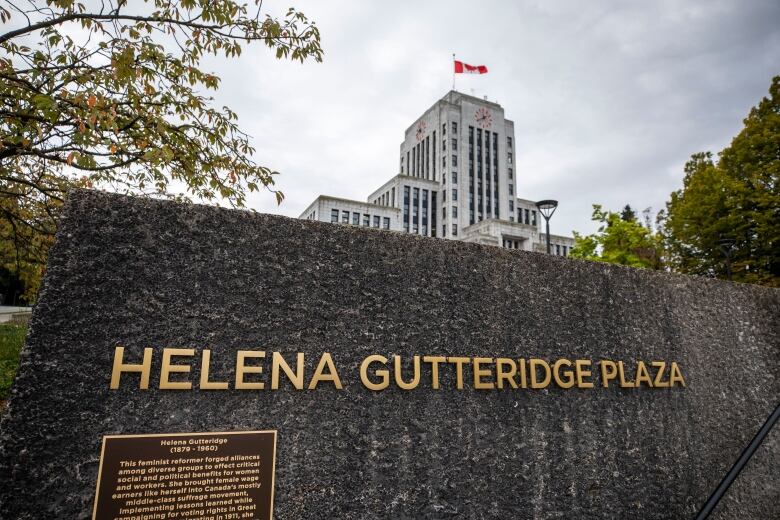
(103, 449)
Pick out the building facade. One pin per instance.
(457, 181)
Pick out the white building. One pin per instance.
(457, 180)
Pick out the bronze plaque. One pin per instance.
(211, 476)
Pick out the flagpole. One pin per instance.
(453, 71)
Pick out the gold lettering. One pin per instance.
(676, 375)
(479, 373)
(205, 366)
(384, 374)
(459, 362)
(168, 368)
(532, 366)
(120, 366)
(623, 382)
(568, 382)
(319, 374)
(399, 378)
(580, 366)
(606, 374)
(242, 369)
(642, 376)
(296, 378)
(521, 365)
(434, 361)
(659, 382)
(502, 375)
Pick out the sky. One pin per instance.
(609, 98)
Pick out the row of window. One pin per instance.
(415, 210)
(354, 218)
(483, 181)
(530, 215)
(386, 199)
(561, 250)
(420, 161)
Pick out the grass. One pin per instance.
(11, 340)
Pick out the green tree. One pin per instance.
(735, 200)
(628, 214)
(112, 95)
(619, 241)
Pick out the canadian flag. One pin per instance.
(465, 68)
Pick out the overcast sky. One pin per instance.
(609, 99)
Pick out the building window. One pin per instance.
(454, 177)
(376, 221)
(406, 208)
(454, 211)
(557, 249)
(526, 217)
(444, 230)
(425, 212)
(334, 215)
(564, 250)
(356, 219)
(509, 142)
(454, 230)
(386, 222)
(433, 156)
(444, 144)
(402, 163)
(345, 217)
(444, 129)
(455, 160)
(509, 157)
(433, 213)
(454, 144)
(512, 207)
(511, 189)
(454, 194)
(533, 219)
(454, 128)
(510, 172)
(416, 210)
(427, 153)
(443, 161)
(392, 198)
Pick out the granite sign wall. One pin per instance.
(404, 377)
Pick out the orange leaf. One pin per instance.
(92, 101)
(71, 156)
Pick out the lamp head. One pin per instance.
(547, 207)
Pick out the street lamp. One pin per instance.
(726, 246)
(547, 208)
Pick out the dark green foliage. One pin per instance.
(736, 199)
(11, 340)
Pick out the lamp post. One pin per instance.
(726, 246)
(547, 208)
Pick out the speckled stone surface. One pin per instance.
(140, 273)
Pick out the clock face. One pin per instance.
(421, 127)
(483, 118)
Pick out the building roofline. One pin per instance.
(353, 201)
